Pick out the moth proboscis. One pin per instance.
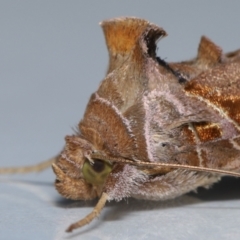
(153, 130)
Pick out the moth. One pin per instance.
(153, 130)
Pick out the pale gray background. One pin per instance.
(52, 57)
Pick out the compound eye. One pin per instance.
(97, 172)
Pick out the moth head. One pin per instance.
(79, 176)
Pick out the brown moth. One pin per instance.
(153, 130)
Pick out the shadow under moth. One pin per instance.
(153, 130)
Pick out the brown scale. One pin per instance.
(221, 91)
(205, 159)
(188, 135)
(207, 131)
(230, 104)
(220, 154)
(190, 158)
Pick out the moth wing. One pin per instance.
(216, 144)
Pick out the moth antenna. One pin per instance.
(96, 211)
(169, 165)
(27, 169)
(192, 168)
(187, 167)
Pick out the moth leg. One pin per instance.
(27, 169)
(96, 211)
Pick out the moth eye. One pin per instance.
(97, 172)
(98, 166)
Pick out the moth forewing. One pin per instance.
(153, 130)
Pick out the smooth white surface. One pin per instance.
(52, 57)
